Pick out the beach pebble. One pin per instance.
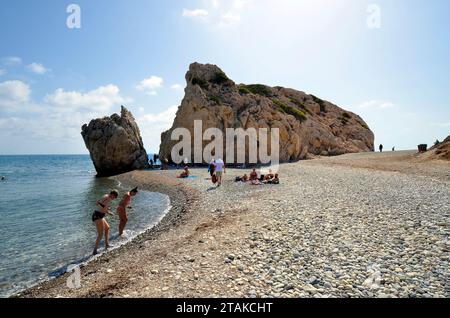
(340, 232)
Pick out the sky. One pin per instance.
(387, 61)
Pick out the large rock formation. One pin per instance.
(308, 125)
(440, 151)
(115, 144)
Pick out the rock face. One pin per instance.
(115, 144)
(308, 125)
(440, 151)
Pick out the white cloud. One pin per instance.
(215, 3)
(49, 126)
(239, 4)
(12, 60)
(37, 68)
(14, 96)
(2, 72)
(151, 85)
(164, 118)
(196, 13)
(59, 116)
(152, 125)
(177, 87)
(442, 125)
(219, 13)
(229, 19)
(373, 104)
(99, 100)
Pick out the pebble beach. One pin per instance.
(360, 225)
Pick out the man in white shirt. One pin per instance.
(219, 169)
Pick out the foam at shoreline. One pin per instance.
(116, 242)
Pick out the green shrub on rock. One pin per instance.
(200, 82)
(220, 78)
(259, 89)
(301, 116)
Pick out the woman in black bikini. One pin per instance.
(99, 218)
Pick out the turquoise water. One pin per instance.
(46, 203)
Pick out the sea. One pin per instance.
(46, 204)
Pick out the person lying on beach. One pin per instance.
(269, 176)
(185, 173)
(99, 218)
(274, 180)
(122, 209)
(244, 178)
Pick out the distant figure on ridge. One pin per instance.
(99, 218)
(381, 148)
(122, 209)
(393, 149)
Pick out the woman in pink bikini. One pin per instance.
(122, 209)
(99, 218)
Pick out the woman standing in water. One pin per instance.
(122, 209)
(99, 218)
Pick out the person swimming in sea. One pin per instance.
(99, 218)
(122, 209)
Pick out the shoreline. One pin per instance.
(180, 198)
(297, 239)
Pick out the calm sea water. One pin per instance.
(46, 203)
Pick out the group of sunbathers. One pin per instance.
(253, 179)
(217, 167)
